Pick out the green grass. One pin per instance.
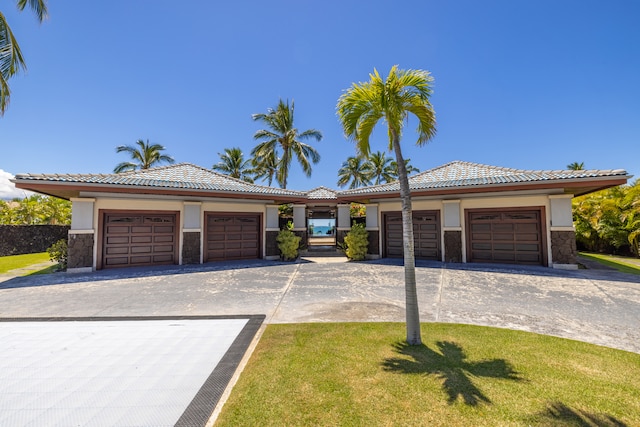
(623, 264)
(361, 374)
(8, 263)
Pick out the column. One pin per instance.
(272, 227)
(451, 231)
(192, 233)
(81, 242)
(562, 234)
(373, 227)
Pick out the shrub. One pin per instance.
(288, 243)
(58, 253)
(356, 242)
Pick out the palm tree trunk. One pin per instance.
(411, 294)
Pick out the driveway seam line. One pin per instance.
(440, 286)
(286, 290)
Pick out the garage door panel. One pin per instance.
(426, 235)
(119, 240)
(232, 236)
(142, 229)
(135, 243)
(118, 229)
(506, 236)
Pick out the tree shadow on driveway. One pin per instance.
(449, 363)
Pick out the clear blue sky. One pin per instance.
(523, 84)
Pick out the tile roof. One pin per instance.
(180, 176)
(465, 174)
(322, 193)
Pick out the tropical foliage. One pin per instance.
(357, 171)
(281, 141)
(609, 220)
(288, 244)
(11, 59)
(144, 156)
(233, 163)
(35, 209)
(356, 242)
(360, 109)
(575, 166)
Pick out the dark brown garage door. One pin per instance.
(232, 236)
(426, 235)
(138, 239)
(513, 237)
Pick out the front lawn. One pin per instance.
(623, 264)
(8, 263)
(362, 374)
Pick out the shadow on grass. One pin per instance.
(559, 414)
(449, 363)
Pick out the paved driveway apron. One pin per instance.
(601, 307)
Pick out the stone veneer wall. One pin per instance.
(304, 243)
(563, 247)
(80, 250)
(30, 239)
(191, 247)
(453, 246)
(374, 243)
(340, 235)
(271, 245)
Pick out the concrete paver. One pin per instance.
(601, 307)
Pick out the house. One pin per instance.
(185, 214)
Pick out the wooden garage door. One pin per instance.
(513, 237)
(232, 236)
(426, 235)
(138, 239)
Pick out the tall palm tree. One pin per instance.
(381, 168)
(11, 60)
(360, 108)
(145, 155)
(355, 170)
(265, 168)
(232, 163)
(410, 168)
(282, 136)
(575, 166)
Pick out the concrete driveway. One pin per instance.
(597, 306)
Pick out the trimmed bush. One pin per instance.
(58, 253)
(288, 243)
(356, 242)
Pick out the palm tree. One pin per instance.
(11, 60)
(281, 135)
(145, 155)
(381, 168)
(265, 168)
(410, 168)
(575, 166)
(360, 108)
(232, 163)
(354, 170)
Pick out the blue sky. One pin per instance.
(522, 84)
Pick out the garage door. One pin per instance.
(138, 239)
(513, 237)
(426, 235)
(232, 236)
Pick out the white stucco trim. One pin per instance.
(80, 270)
(192, 230)
(562, 229)
(452, 228)
(81, 232)
(271, 229)
(566, 266)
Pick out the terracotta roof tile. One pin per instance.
(465, 174)
(179, 176)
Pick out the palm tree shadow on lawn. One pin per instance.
(450, 364)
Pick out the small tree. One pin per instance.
(288, 243)
(58, 253)
(356, 242)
